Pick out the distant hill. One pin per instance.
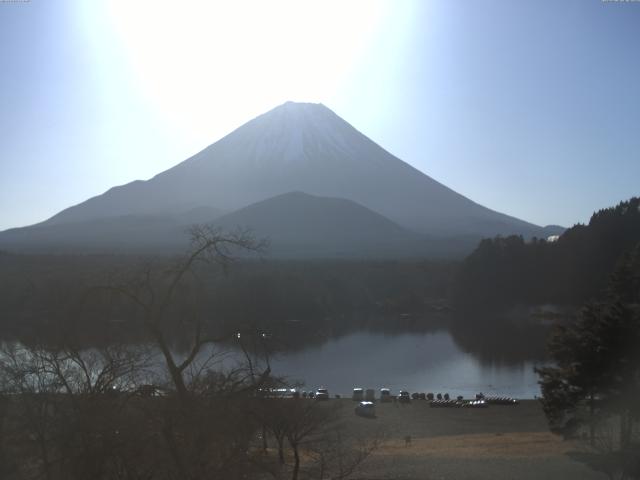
(299, 224)
(298, 147)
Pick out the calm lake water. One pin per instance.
(414, 361)
(418, 362)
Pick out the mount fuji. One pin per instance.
(296, 147)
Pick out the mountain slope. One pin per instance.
(296, 224)
(301, 147)
(121, 233)
(124, 233)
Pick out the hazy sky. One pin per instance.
(529, 108)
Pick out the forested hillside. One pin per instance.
(41, 295)
(506, 271)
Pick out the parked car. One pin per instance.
(385, 395)
(358, 395)
(366, 409)
(404, 397)
(322, 394)
(370, 395)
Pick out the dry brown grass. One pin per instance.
(519, 444)
(496, 443)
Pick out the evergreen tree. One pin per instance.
(597, 360)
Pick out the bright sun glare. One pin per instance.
(201, 62)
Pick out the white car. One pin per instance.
(358, 395)
(366, 409)
(322, 394)
(385, 395)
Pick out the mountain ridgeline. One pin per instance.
(504, 272)
(298, 174)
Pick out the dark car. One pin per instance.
(404, 397)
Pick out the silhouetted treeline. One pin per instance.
(48, 295)
(504, 272)
(128, 411)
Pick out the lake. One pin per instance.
(418, 362)
(430, 361)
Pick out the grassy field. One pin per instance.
(499, 442)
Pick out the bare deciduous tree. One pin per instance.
(65, 407)
(199, 439)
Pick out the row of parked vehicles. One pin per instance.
(367, 397)
(360, 394)
(366, 407)
(320, 394)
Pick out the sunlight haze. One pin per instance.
(104, 93)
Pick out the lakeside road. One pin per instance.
(498, 442)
